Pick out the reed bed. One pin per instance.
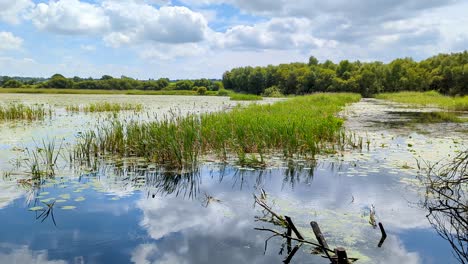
(431, 98)
(302, 126)
(19, 111)
(104, 107)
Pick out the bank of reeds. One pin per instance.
(244, 97)
(19, 111)
(303, 126)
(104, 107)
(431, 98)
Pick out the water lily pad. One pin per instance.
(36, 208)
(61, 201)
(47, 200)
(80, 199)
(68, 207)
(65, 196)
(43, 193)
(115, 198)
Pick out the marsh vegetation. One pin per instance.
(19, 111)
(104, 107)
(303, 126)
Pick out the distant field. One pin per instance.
(431, 98)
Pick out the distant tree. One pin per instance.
(12, 84)
(313, 61)
(107, 77)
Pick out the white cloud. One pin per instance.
(134, 23)
(70, 17)
(8, 41)
(25, 255)
(11, 10)
(278, 33)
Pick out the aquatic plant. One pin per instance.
(302, 126)
(104, 107)
(430, 98)
(42, 159)
(19, 111)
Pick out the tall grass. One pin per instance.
(42, 159)
(18, 111)
(300, 126)
(104, 107)
(430, 98)
(244, 97)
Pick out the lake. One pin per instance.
(124, 211)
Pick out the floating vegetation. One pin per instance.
(244, 97)
(302, 126)
(18, 111)
(68, 207)
(36, 208)
(104, 107)
(431, 98)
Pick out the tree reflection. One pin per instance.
(447, 202)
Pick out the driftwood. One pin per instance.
(337, 256)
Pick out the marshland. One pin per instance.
(294, 163)
(176, 175)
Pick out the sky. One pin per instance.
(191, 39)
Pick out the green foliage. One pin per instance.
(430, 98)
(445, 73)
(12, 84)
(202, 90)
(273, 91)
(184, 85)
(244, 97)
(223, 92)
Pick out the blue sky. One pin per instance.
(203, 38)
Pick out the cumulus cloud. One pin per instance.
(22, 254)
(279, 33)
(8, 41)
(70, 17)
(136, 23)
(11, 11)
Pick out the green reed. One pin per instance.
(104, 107)
(244, 97)
(302, 126)
(19, 111)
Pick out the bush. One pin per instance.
(223, 92)
(273, 91)
(12, 84)
(202, 90)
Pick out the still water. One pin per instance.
(126, 212)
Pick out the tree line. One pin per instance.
(108, 82)
(445, 73)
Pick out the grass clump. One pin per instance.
(299, 126)
(244, 97)
(431, 98)
(104, 107)
(18, 111)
